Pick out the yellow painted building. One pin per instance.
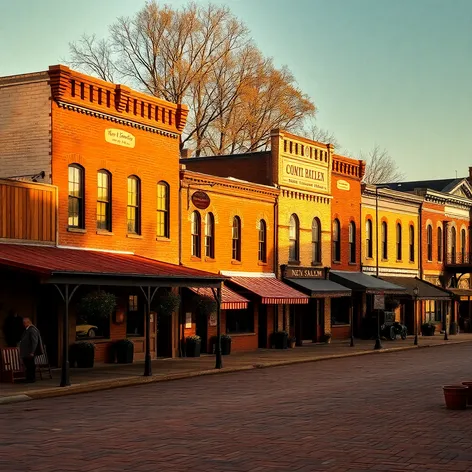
(392, 218)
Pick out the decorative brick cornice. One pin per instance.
(348, 167)
(118, 102)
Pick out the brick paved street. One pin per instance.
(368, 413)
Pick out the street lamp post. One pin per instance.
(415, 310)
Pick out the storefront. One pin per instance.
(310, 322)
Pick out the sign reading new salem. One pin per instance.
(303, 175)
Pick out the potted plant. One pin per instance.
(280, 339)
(225, 344)
(455, 397)
(124, 349)
(82, 354)
(206, 305)
(97, 304)
(192, 346)
(428, 329)
(326, 338)
(292, 341)
(169, 303)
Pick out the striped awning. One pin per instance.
(229, 300)
(270, 290)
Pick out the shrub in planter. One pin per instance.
(280, 339)
(225, 344)
(192, 346)
(124, 349)
(82, 354)
(428, 329)
(326, 338)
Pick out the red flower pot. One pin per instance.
(469, 391)
(455, 397)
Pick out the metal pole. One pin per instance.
(147, 358)
(445, 324)
(378, 343)
(376, 231)
(415, 342)
(219, 360)
(65, 374)
(351, 316)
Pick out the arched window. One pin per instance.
(103, 200)
(210, 235)
(76, 211)
(196, 234)
(336, 240)
(134, 205)
(368, 239)
(236, 236)
(440, 244)
(294, 238)
(384, 237)
(429, 242)
(316, 241)
(399, 242)
(162, 215)
(463, 245)
(453, 245)
(352, 242)
(411, 237)
(262, 241)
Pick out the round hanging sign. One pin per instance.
(201, 200)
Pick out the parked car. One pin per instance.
(86, 330)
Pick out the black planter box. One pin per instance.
(124, 352)
(225, 345)
(428, 331)
(280, 340)
(192, 349)
(81, 356)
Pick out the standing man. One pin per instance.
(30, 345)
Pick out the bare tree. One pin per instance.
(202, 56)
(312, 131)
(381, 168)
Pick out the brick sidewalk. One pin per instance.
(106, 376)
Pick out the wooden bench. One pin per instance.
(42, 361)
(11, 365)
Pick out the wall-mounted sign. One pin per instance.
(303, 273)
(343, 185)
(379, 302)
(120, 137)
(303, 175)
(212, 319)
(201, 200)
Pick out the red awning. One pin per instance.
(51, 261)
(229, 300)
(271, 290)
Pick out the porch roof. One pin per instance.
(71, 265)
(426, 291)
(229, 300)
(363, 282)
(320, 288)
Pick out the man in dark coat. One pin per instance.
(30, 345)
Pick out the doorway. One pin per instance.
(262, 327)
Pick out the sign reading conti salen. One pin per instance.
(120, 137)
(305, 176)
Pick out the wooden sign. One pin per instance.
(343, 185)
(120, 137)
(201, 200)
(303, 273)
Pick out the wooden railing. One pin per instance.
(28, 212)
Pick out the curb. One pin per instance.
(100, 385)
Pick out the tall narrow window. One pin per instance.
(293, 236)
(262, 241)
(463, 245)
(163, 226)
(368, 238)
(429, 242)
(134, 203)
(104, 200)
(384, 240)
(440, 244)
(196, 234)
(336, 240)
(76, 197)
(399, 242)
(316, 241)
(210, 236)
(411, 236)
(352, 242)
(236, 236)
(453, 245)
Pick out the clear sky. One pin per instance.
(397, 73)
